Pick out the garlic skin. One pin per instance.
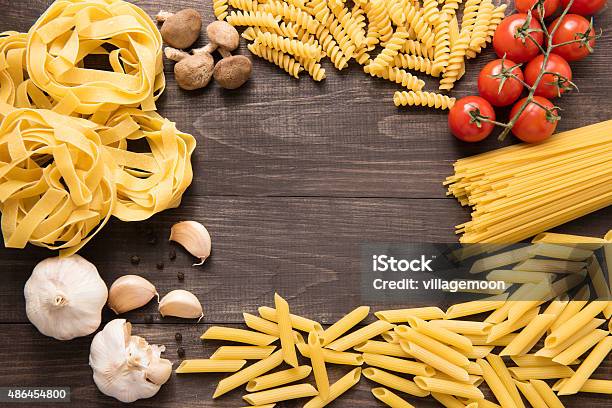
(126, 367)
(64, 297)
(130, 292)
(181, 303)
(194, 237)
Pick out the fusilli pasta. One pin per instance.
(442, 45)
(418, 98)
(481, 28)
(413, 62)
(431, 14)
(416, 21)
(290, 65)
(399, 76)
(294, 47)
(220, 9)
(385, 58)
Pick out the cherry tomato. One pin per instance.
(550, 6)
(571, 28)
(535, 124)
(548, 86)
(585, 7)
(510, 41)
(488, 84)
(462, 122)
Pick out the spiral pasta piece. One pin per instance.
(481, 28)
(349, 23)
(313, 68)
(399, 76)
(418, 98)
(340, 35)
(220, 9)
(417, 48)
(456, 62)
(470, 12)
(416, 21)
(62, 38)
(496, 18)
(395, 9)
(386, 56)
(380, 22)
(431, 14)
(245, 5)
(442, 46)
(450, 7)
(289, 46)
(283, 61)
(253, 18)
(413, 62)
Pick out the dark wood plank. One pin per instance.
(308, 249)
(33, 361)
(278, 136)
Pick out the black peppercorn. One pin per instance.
(181, 352)
(135, 260)
(178, 337)
(180, 276)
(148, 319)
(172, 254)
(160, 265)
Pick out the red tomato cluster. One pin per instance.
(518, 42)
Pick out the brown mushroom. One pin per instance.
(191, 71)
(222, 37)
(182, 29)
(232, 72)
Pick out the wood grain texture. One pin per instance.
(292, 177)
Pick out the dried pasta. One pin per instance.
(420, 98)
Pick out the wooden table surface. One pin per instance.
(291, 177)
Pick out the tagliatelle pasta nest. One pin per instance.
(65, 163)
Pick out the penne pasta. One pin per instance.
(238, 336)
(541, 373)
(590, 385)
(505, 377)
(390, 337)
(336, 389)
(246, 374)
(285, 331)
(381, 347)
(463, 326)
(279, 378)
(334, 357)
(280, 394)
(551, 352)
(479, 352)
(298, 322)
(501, 314)
(588, 366)
(539, 294)
(395, 382)
(401, 315)
(428, 343)
(437, 362)
(599, 283)
(529, 391)
(345, 324)
(578, 302)
(484, 340)
(448, 400)
(473, 368)
(547, 394)
(390, 399)
(567, 283)
(508, 326)
(318, 364)
(578, 348)
(399, 365)
(476, 306)
(573, 324)
(532, 360)
(486, 291)
(529, 336)
(550, 266)
(483, 403)
(556, 251)
(519, 276)
(590, 243)
(265, 326)
(209, 366)
(361, 335)
(495, 384)
(448, 387)
(242, 352)
(440, 334)
(499, 260)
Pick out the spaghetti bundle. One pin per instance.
(522, 190)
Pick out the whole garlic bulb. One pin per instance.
(64, 297)
(126, 367)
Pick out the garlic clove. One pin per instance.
(194, 237)
(159, 371)
(130, 292)
(181, 303)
